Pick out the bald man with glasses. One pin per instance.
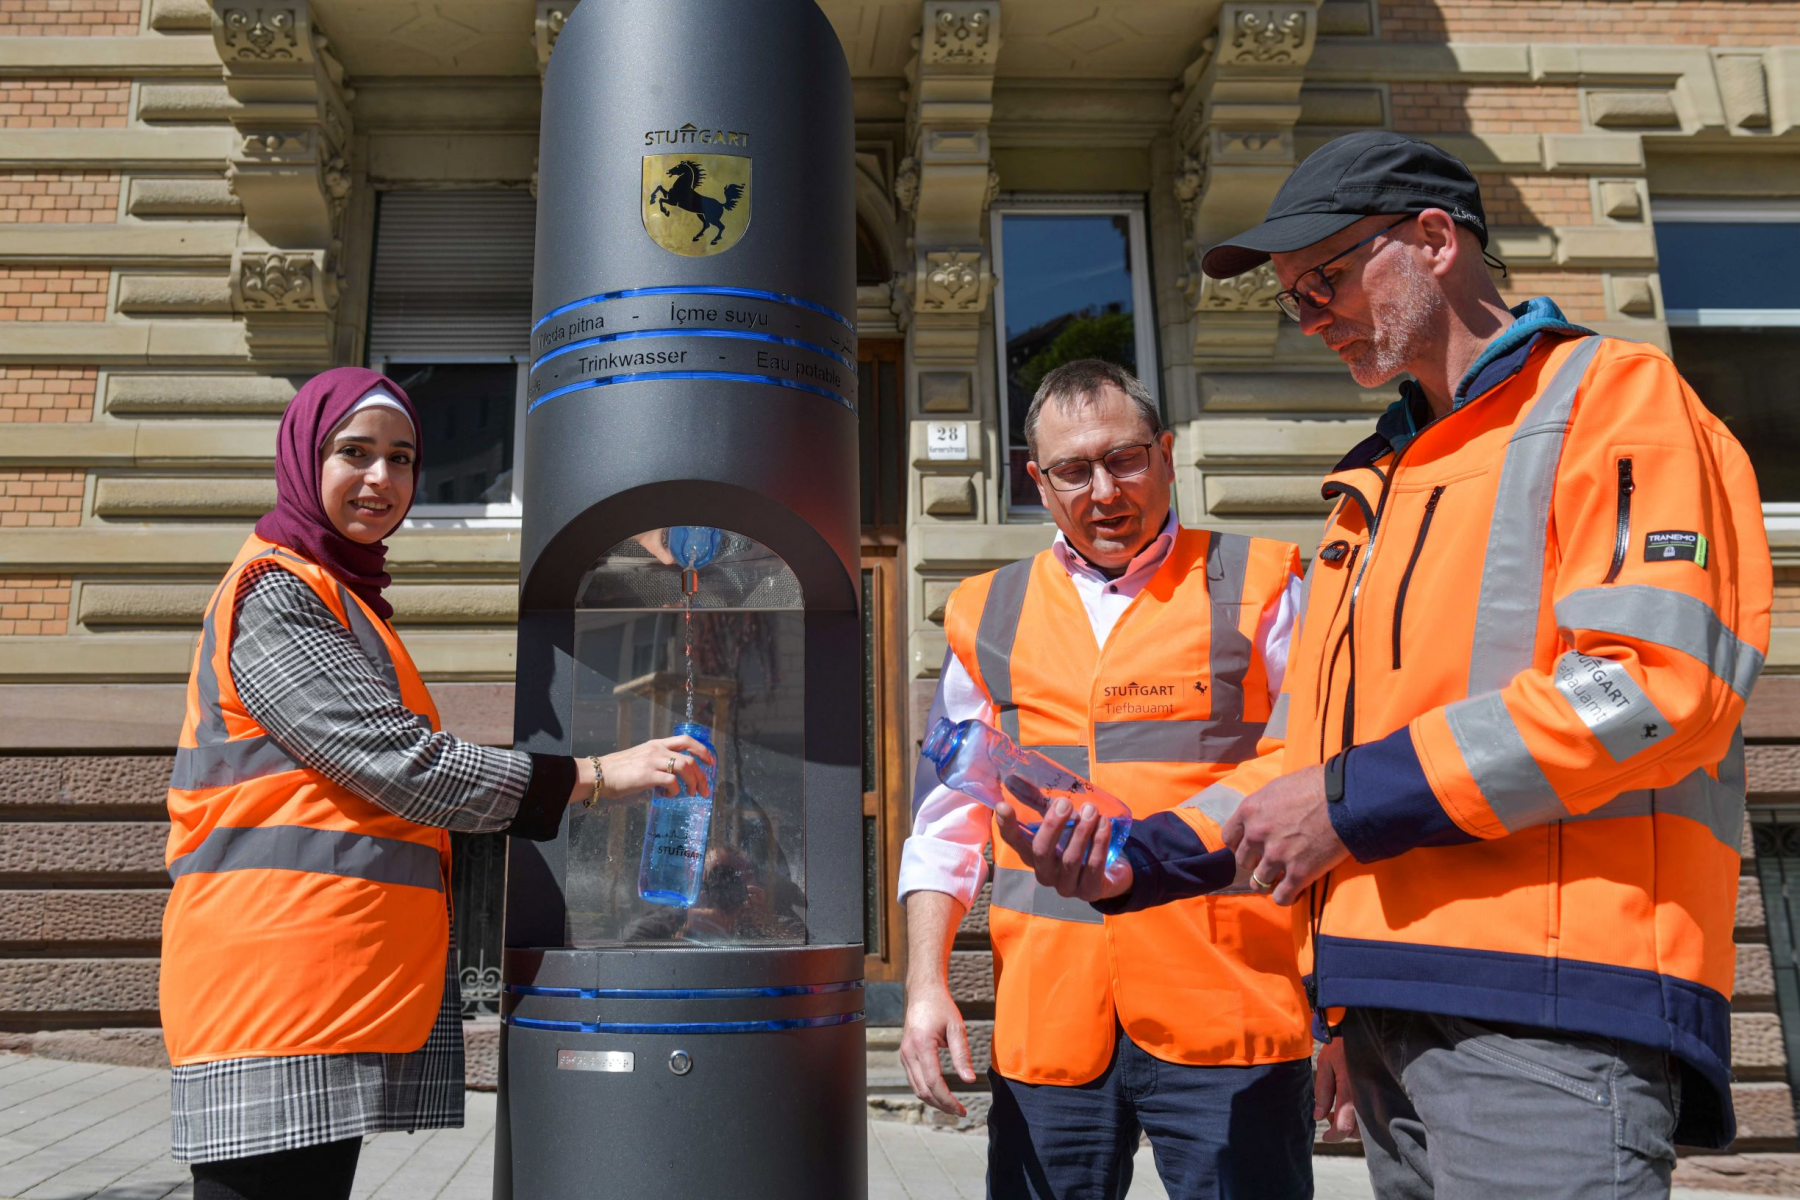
(1146, 657)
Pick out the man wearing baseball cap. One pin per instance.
(1512, 787)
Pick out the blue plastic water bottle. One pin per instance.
(675, 843)
(985, 765)
(694, 545)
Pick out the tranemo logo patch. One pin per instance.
(1675, 545)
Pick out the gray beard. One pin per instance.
(1405, 317)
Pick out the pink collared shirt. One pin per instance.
(949, 830)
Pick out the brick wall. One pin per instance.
(1750, 23)
(32, 606)
(1786, 614)
(58, 197)
(1535, 200)
(1427, 108)
(1580, 294)
(46, 394)
(64, 103)
(45, 498)
(68, 18)
(52, 294)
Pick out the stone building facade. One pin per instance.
(202, 202)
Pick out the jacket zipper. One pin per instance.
(1406, 579)
(1622, 538)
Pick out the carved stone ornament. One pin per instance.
(993, 187)
(1253, 291)
(284, 282)
(552, 15)
(1190, 180)
(906, 184)
(1265, 36)
(1255, 147)
(959, 33)
(260, 33)
(954, 282)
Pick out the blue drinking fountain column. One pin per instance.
(682, 1001)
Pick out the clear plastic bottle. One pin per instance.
(675, 842)
(985, 765)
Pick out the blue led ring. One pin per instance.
(739, 993)
(718, 376)
(684, 1026)
(630, 334)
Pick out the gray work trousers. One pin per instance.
(1453, 1109)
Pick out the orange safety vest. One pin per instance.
(1538, 624)
(1176, 696)
(304, 919)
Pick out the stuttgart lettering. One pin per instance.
(692, 135)
(1140, 689)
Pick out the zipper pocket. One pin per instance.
(1622, 537)
(1406, 579)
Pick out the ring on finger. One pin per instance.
(1261, 884)
(671, 766)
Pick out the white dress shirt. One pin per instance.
(949, 829)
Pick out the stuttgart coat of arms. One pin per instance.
(696, 204)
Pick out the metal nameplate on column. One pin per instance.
(596, 1060)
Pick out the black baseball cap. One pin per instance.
(1345, 180)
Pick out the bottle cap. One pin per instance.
(942, 743)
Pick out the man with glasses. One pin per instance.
(1512, 788)
(1146, 657)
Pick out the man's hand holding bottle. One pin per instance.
(1079, 870)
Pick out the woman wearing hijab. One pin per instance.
(309, 988)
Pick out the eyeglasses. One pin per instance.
(1314, 290)
(1075, 474)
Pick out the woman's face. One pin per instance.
(366, 478)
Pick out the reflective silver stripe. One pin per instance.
(1610, 703)
(1021, 892)
(1668, 618)
(1210, 741)
(1217, 801)
(1277, 727)
(1227, 562)
(224, 763)
(1512, 574)
(1717, 804)
(320, 851)
(1495, 752)
(211, 731)
(995, 637)
(1073, 759)
(368, 637)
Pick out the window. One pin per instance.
(1074, 283)
(450, 322)
(1734, 326)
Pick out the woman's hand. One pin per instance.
(663, 765)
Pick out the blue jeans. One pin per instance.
(1218, 1133)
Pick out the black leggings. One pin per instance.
(310, 1173)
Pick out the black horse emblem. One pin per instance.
(685, 194)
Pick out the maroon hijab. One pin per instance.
(298, 520)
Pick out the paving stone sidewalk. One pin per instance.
(81, 1131)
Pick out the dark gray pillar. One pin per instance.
(694, 364)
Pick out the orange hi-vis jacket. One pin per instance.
(1529, 635)
(304, 919)
(1174, 699)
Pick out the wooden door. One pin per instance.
(887, 807)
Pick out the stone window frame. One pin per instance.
(1784, 515)
(1134, 208)
(425, 515)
